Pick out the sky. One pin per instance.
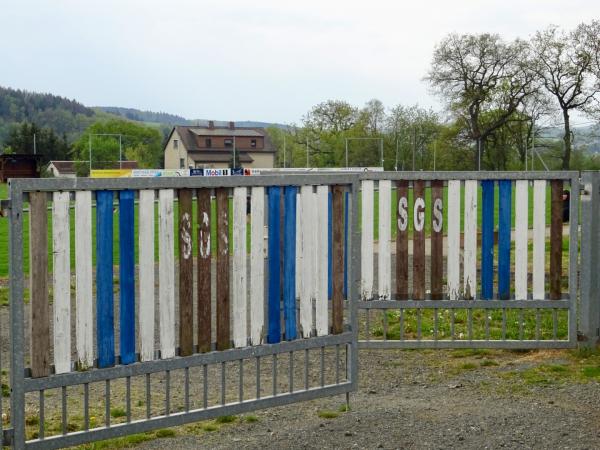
(268, 60)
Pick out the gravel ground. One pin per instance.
(429, 399)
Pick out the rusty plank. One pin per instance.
(418, 240)
(556, 224)
(186, 273)
(204, 271)
(338, 260)
(402, 240)
(437, 239)
(223, 297)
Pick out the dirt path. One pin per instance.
(429, 399)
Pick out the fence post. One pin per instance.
(589, 303)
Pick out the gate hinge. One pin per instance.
(4, 207)
(7, 436)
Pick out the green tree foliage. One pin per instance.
(49, 145)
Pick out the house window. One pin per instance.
(228, 142)
(175, 144)
(208, 142)
(253, 143)
(181, 163)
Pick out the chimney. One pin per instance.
(231, 125)
(211, 124)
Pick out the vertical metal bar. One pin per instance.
(128, 397)
(337, 364)
(205, 386)
(554, 325)
(241, 390)
(452, 323)
(503, 324)
(148, 398)
(537, 324)
(42, 426)
(470, 323)
(223, 387)
(385, 324)
(322, 366)
(401, 324)
(86, 406)
(274, 375)
(167, 392)
(107, 403)
(487, 324)
(435, 323)
(573, 266)
(291, 381)
(521, 314)
(306, 360)
(368, 324)
(258, 377)
(187, 389)
(419, 324)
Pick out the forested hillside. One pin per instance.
(145, 116)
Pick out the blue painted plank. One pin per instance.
(487, 240)
(346, 197)
(274, 294)
(105, 332)
(505, 193)
(289, 262)
(329, 247)
(126, 277)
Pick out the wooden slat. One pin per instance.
(307, 271)
(223, 301)
(470, 240)
(487, 239)
(366, 243)
(204, 270)
(257, 266)
(166, 273)
(437, 239)
(521, 238)
(539, 239)
(418, 240)
(338, 260)
(38, 273)
(321, 303)
(126, 277)
(146, 274)
(453, 259)
(61, 272)
(186, 273)
(84, 326)
(504, 230)
(274, 294)
(299, 265)
(556, 225)
(239, 290)
(105, 332)
(402, 240)
(384, 257)
(289, 262)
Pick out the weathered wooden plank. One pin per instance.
(274, 294)
(384, 256)
(105, 332)
(453, 259)
(257, 266)
(84, 326)
(338, 260)
(437, 239)
(308, 255)
(556, 225)
(322, 225)
(504, 229)
(146, 274)
(223, 300)
(329, 245)
(539, 239)
(289, 262)
(402, 240)
(61, 275)
(418, 240)
(204, 268)
(366, 242)
(470, 240)
(126, 277)
(239, 292)
(166, 273)
(186, 273)
(38, 290)
(521, 238)
(487, 239)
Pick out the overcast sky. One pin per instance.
(248, 60)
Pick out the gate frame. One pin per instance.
(21, 384)
(569, 304)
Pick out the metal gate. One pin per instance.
(107, 342)
(480, 259)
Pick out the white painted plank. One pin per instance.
(239, 285)
(366, 242)
(307, 270)
(313, 236)
(321, 302)
(146, 274)
(61, 274)
(521, 238)
(384, 269)
(84, 325)
(257, 266)
(539, 239)
(166, 274)
(298, 244)
(470, 240)
(453, 261)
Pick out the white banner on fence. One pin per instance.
(160, 172)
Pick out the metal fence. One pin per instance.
(477, 262)
(109, 342)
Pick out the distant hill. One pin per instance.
(145, 116)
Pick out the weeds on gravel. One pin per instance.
(251, 418)
(226, 419)
(327, 414)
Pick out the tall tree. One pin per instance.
(476, 74)
(563, 62)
